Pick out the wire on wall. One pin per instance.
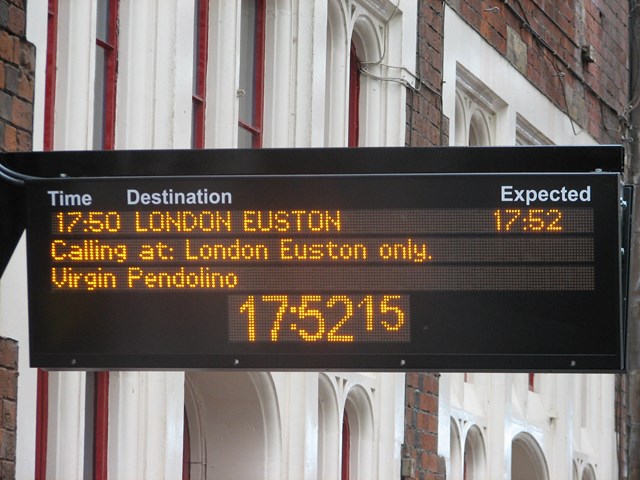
(364, 70)
(547, 49)
(13, 177)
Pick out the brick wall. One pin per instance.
(622, 424)
(421, 428)
(426, 126)
(17, 69)
(17, 66)
(544, 40)
(8, 398)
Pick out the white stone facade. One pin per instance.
(257, 425)
(498, 425)
(279, 425)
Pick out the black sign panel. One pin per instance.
(327, 271)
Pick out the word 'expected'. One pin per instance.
(528, 196)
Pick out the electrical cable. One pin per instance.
(407, 84)
(540, 42)
(386, 37)
(10, 179)
(561, 30)
(419, 80)
(635, 41)
(544, 46)
(14, 177)
(398, 80)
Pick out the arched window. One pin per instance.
(337, 77)
(358, 427)
(230, 409)
(588, 473)
(476, 108)
(358, 86)
(367, 45)
(479, 133)
(527, 459)
(329, 428)
(474, 457)
(455, 451)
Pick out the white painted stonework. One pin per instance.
(493, 425)
(253, 425)
(281, 425)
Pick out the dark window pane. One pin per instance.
(102, 21)
(247, 61)
(98, 100)
(245, 138)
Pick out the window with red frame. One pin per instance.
(104, 119)
(346, 448)
(42, 392)
(96, 425)
(105, 79)
(200, 57)
(42, 420)
(354, 98)
(251, 82)
(186, 449)
(50, 73)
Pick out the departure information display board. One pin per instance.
(369, 272)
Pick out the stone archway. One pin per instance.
(233, 425)
(527, 459)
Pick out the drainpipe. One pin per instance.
(632, 176)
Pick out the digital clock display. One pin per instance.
(385, 271)
(342, 318)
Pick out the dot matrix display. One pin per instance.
(409, 271)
